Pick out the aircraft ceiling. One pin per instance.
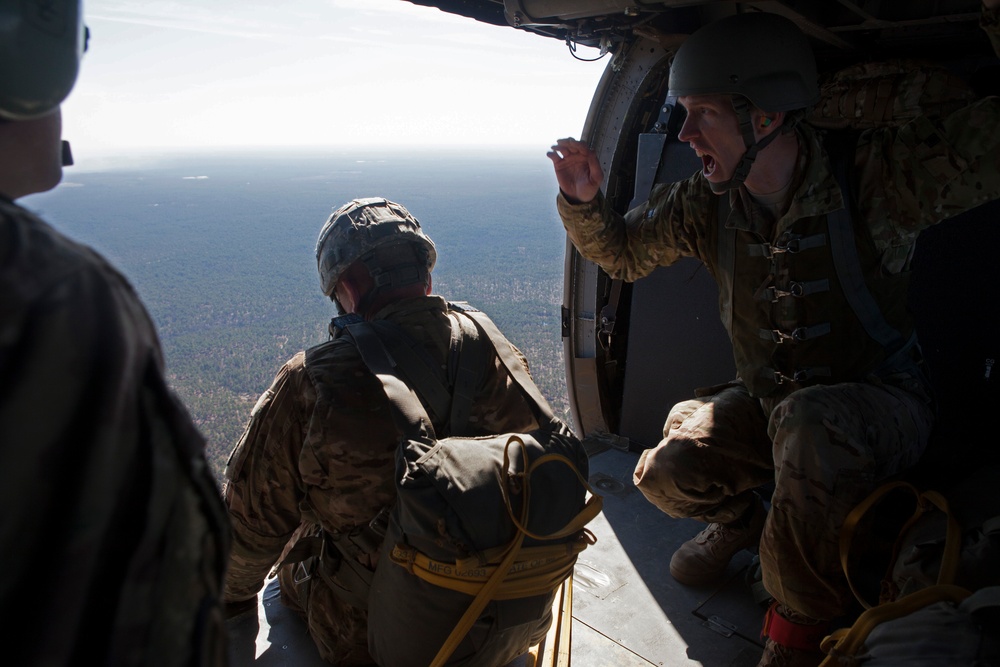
(840, 28)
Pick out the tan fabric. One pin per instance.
(825, 446)
(320, 448)
(101, 468)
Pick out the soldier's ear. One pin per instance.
(768, 122)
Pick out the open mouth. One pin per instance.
(708, 163)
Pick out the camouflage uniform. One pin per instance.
(113, 535)
(320, 448)
(828, 413)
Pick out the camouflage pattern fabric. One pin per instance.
(319, 449)
(113, 533)
(893, 92)
(826, 446)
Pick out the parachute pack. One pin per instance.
(939, 601)
(484, 530)
(887, 93)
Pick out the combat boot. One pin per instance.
(792, 640)
(704, 558)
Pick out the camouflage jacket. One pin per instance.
(789, 314)
(320, 444)
(113, 535)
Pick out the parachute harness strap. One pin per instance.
(783, 631)
(843, 644)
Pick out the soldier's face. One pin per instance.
(712, 130)
(31, 155)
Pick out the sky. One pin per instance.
(197, 74)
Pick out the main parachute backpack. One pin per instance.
(484, 530)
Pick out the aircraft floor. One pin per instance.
(627, 609)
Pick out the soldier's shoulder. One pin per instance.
(333, 359)
(44, 271)
(39, 257)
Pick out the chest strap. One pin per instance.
(847, 263)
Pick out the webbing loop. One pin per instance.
(843, 644)
(925, 501)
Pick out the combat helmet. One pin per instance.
(380, 233)
(757, 57)
(763, 57)
(41, 44)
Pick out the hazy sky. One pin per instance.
(207, 73)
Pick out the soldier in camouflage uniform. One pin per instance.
(319, 449)
(830, 398)
(113, 535)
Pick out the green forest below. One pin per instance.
(222, 252)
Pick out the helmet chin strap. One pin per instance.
(742, 107)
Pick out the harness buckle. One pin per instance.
(777, 335)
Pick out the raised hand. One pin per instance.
(578, 170)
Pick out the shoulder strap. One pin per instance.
(840, 147)
(421, 373)
(467, 366)
(726, 262)
(448, 404)
(408, 412)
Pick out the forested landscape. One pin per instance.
(221, 248)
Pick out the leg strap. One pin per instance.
(782, 631)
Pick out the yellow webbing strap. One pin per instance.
(952, 548)
(491, 587)
(554, 649)
(536, 570)
(842, 645)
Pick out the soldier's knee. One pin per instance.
(804, 408)
(679, 413)
(661, 474)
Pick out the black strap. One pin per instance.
(409, 413)
(469, 364)
(410, 358)
(845, 254)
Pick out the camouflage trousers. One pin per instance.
(339, 630)
(825, 448)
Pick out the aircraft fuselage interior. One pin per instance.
(632, 350)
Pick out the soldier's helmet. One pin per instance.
(764, 57)
(382, 234)
(41, 44)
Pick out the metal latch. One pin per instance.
(720, 625)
